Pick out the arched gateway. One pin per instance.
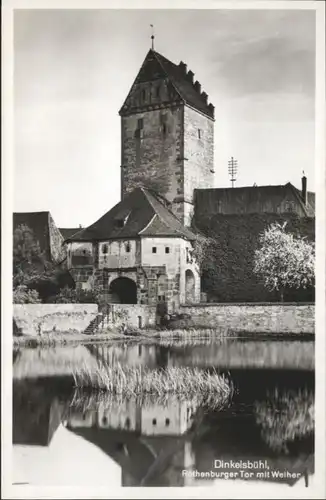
(124, 291)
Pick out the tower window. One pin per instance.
(140, 124)
(143, 94)
(167, 422)
(105, 248)
(163, 118)
(199, 133)
(157, 91)
(154, 421)
(167, 249)
(154, 249)
(127, 247)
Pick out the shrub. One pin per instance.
(77, 296)
(23, 295)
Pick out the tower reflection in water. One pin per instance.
(149, 442)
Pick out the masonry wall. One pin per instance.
(151, 157)
(132, 315)
(58, 250)
(35, 319)
(199, 156)
(271, 318)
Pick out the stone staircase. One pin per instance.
(95, 324)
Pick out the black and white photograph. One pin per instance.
(164, 262)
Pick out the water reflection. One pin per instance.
(63, 436)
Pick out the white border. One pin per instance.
(229, 491)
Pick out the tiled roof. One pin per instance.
(244, 200)
(157, 66)
(68, 231)
(185, 88)
(311, 199)
(309, 207)
(140, 213)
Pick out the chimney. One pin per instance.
(190, 76)
(304, 189)
(204, 96)
(197, 86)
(183, 67)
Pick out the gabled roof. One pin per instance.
(309, 207)
(156, 66)
(68, 231)
(140, 213)
(253, 199)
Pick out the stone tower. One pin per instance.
(167, 135)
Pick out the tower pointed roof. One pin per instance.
(156, 66)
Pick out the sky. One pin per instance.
(73, 70)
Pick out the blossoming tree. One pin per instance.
(284, 260)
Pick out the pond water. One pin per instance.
(265, 434)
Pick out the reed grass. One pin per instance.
(65, 338)
(139, 381)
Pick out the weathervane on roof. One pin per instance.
(153, 36)
(233, 169)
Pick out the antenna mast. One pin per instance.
(233, 169)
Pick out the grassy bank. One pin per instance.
(52, 339)
(169, 337)
(137, 381)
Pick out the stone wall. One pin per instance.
(264, 317)
(58, 250)
(35, 319)
(131, 315)
(151, 155)
(198, 155)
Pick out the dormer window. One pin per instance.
(121, 220)
(127, 247)
(119, 223)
